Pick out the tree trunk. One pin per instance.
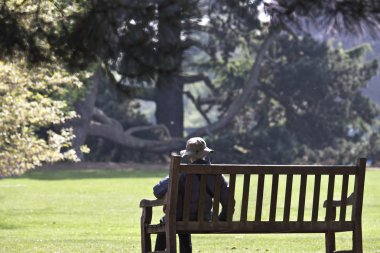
(84, 109)
(169, 103)
(169, 87)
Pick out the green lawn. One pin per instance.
(97, 211)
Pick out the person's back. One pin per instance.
(196, 151)
(195, 193)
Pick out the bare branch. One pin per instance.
(210, 100)
(194, 43)
(136, 92)
(128, 140)
(198, 106)
(245, 93)
(100, 116)
(111, 129)
(197, 78)
(133, 130)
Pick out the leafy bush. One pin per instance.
(32, 99)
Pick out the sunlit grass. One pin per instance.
(97, 211)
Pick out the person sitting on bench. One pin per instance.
(196, 152)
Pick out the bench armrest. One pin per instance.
(151, 203)
(338, 203)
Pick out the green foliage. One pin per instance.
(318, 88)
(38, 28)
(308, 107)
(38, 90)
(31, 100)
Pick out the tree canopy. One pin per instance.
(259, 88)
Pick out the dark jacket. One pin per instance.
(161, 188)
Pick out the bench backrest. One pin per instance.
(270, 198)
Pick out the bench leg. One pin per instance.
(330, 242)
(146, 218)
(357, 241)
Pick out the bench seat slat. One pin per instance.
(265, 227)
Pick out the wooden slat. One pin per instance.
(273, 201)
(330, 241)
(215, 208)
(252, 227)
(202, 198)
(187, 197)
(152, 203)
(342, 213)
(288, 196)
(146, 218)
(268, 169)
(358, 206)
(330, 195)
(155, 228)
(317, 189)
(231, 194)
(301, 202)
(259, 197)
(171, 208)
(244, 202)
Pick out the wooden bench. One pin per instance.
(286, 215)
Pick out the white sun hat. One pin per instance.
(196, 148)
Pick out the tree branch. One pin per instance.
(133, 130)
(130, 91)
(101, 117)
(111, 129)
(245, 93)
(197, 78)
(210, 100)
(128, 140)
(194, 43)
(198, 106)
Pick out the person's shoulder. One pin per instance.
(201, 161)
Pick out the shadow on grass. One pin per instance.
(4, 226)
(64, 174)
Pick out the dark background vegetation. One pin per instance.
(289, 89)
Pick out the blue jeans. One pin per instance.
(184, 243)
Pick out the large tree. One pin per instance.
(143, 54)
(141, 47)
(165, 37)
